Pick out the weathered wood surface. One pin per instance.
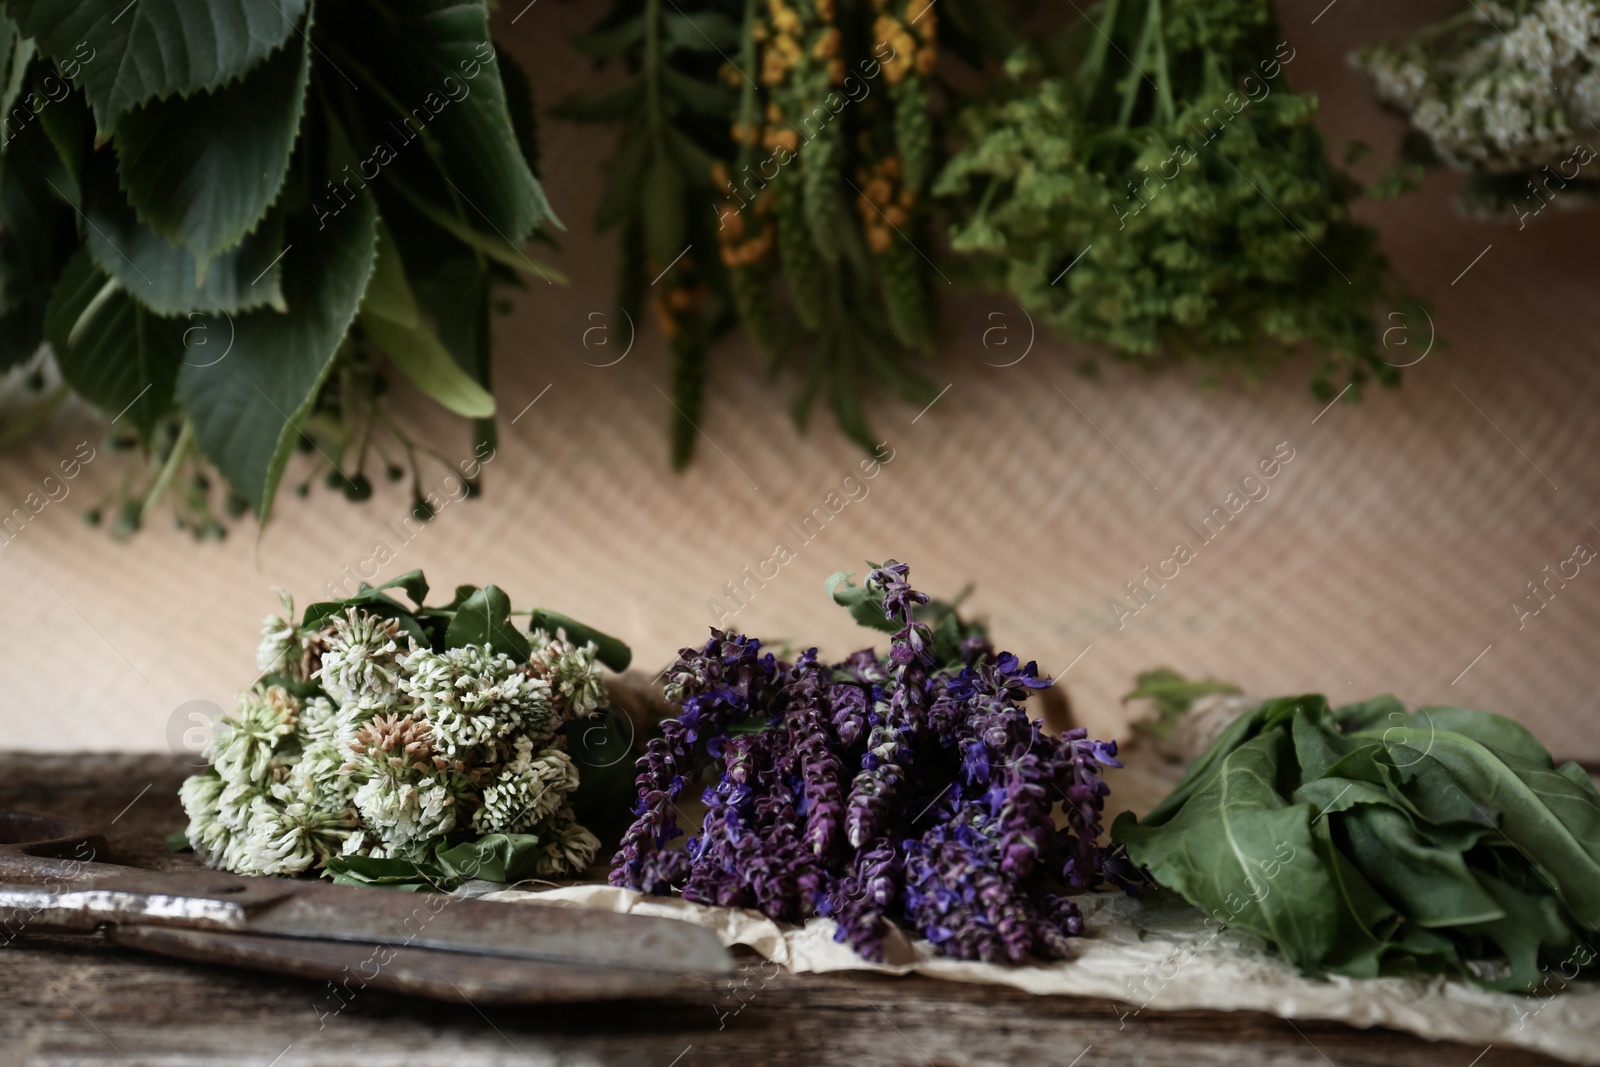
(70, 1001)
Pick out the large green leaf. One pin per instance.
(166, 277)
(247, 405)
(38, 234)
(1430, 885)
(1551, 817)
(1204, 769)
(497, 248)
(389, 315)
(113, 352)
(519, 105)
(133, 53)
(1246, 855)
(203, 171)
(15, 53)
(440, 105)
(1365, 918)
(483, 618)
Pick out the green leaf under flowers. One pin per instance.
(492, 858)
(113, 352)
(389, 316)
(375, 601)
(1239, 845)
(166, 277)
(132, 53)
(203, 171)
(484, 618)
(611, 651)
(405, 875)
(247, 405)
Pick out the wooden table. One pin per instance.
(80, 1001)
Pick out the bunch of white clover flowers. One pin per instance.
(1499, 88)
(402, 749)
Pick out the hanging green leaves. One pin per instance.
(1163, 193)
(247, 403)
(191, 199)
(135, 53)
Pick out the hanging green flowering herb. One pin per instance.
(1172, 198)
(1507, 91)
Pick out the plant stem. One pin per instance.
(158, 489)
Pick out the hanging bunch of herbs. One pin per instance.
(674, 106)
(230, 224)
(1171, 197)
(806, 215)
(1509, 92)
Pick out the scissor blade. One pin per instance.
(352, 966)
(531, 931)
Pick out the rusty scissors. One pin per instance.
(427, 944)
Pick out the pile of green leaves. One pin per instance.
(1153, 186)
(230, 221)
(1363, 840)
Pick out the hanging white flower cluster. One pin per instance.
(1500, 87)
(397, 749)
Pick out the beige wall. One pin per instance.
(1384, 558)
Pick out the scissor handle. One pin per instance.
(43, 848)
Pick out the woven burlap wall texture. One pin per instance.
(1385, 557)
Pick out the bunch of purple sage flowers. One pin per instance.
(910, 789)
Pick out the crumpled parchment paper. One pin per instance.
(1148, 955)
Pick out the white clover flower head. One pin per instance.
(365, 658)
(565, 847)
(288, 833)
(246, 747)
(528, 789)
(403, 750)
(474, 697)
(572, 672)
(207, 833)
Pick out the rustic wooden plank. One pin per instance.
(82, 1001)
